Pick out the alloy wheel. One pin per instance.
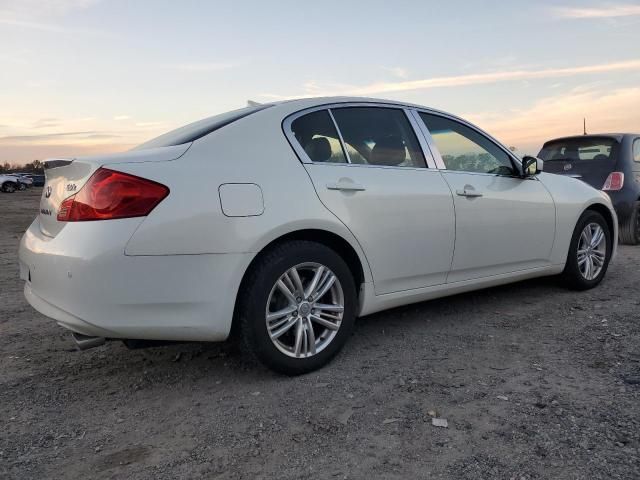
(304, 310)
(592, 250)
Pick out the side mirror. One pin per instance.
(531, 166)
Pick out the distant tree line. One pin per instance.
(31, 167)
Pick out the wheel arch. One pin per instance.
(606, 213)
(330, 239)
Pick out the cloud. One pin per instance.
(149, 124)
(43, 7)
(397, 71)
(622, 10)
(121, 117)
(315, 90)
(37, 15)
(200, 67)
(560, 115)
(31, 138)
(46, 123)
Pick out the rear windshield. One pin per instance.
(194, 131)
(579, 149)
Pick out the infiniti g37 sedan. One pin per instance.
(315, 212)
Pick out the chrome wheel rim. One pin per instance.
(304, 310)
(592, 250)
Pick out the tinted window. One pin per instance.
(636, 150)
(577, 149)
(193, 131)
(379, 136)
(464, 149)
(317, 135)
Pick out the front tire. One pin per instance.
(8, 187)
(630, 230)
(589, 252)
(297, 307)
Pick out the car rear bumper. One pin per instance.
(84, 281)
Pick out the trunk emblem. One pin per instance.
(567, 166)
(47, 192)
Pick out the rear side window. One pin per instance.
(636, 150)
(579, 149)
(317, 135)
(379, 136)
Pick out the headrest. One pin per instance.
(318, 149)
(388, 151)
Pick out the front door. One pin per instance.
(504, 223)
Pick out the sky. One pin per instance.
(80, 77)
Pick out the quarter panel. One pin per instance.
(191, 220)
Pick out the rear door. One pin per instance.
(372, 174)
(590, 159)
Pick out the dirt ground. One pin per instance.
(535, 381)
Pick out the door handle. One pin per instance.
(346, 186)
(468, 192)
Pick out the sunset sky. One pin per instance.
(87, 76)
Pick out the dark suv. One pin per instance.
(609, 162)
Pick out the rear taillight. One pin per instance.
(108, 195)
(615, 181)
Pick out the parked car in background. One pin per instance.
(8, 183)
(317, 211)
(38, 180)
(24, 181)
(608, 162)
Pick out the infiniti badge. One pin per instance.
(47, 192)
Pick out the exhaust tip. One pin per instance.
(85, 342)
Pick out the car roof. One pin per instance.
(297, 104)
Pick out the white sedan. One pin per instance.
(309, 214)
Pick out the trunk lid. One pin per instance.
(65, 177)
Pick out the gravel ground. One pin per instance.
(534, 381)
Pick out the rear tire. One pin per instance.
(588, 259)
(315, 329)
(8, 187)
(22, 186)
(630, 230)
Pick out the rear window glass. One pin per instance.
(194, 131)
(579, 149)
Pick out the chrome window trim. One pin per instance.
(515, 162)
(304, 158)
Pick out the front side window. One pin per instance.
(636, 150)
(464, 149)
(579, 149)
(316, 134)
(379, 136)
